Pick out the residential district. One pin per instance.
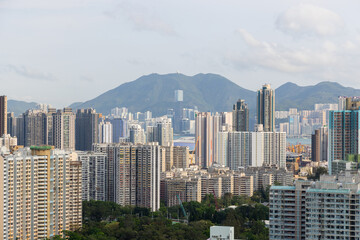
(53, 160)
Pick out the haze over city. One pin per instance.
(65, 51)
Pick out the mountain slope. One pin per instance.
(154, 92)
(290, 95)
(19, 107)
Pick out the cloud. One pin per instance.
(86, 79)
(309, 20)
(28, 72)
(326, 60)
(142, 18)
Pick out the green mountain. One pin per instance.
(154, 92)
(290, 95)
(19, 107)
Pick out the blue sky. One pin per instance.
(59, 52)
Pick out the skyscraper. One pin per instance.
(3, 115)
(86, 129)
(240, 116)
(35, 128)
(344, 128)
(11, 124)
(266, 108)
(319, 145)
(64, 129)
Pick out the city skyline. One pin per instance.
(86, 48)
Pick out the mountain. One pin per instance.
(154, 92)
(290, 95)
(19, 107)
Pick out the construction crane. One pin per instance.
(182, 207)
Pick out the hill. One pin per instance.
(154, 92)
(290, 95)
(19, 107)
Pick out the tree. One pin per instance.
(317, 173)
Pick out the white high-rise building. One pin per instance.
(253, 149)
(93, 175)
(179, 96)
(105, 132)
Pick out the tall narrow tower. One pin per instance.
(266, 108)
(240, 116)
(3, 115)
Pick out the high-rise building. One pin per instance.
(252, 149)
(86, 124)
(187, 189)
(326, 209)
(344, 128)
(35, 128)
(240, 116)
(41, 194)
(179, 95)
(266, 108)
(133, 174)
(165, 133)
(11, 124)
(207, 127)
(319, 145)
(105, 132)
(181, 157)
(3, 115)
(294, 125)
(137, 134)
(20, 130)
(93, 175)
(120, 129)
(160, 131)
(51, 127)
(63, 128)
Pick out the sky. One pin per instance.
(63, 51)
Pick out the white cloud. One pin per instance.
(142, 18)
(27, 72)
(309, 20)
(326, 60)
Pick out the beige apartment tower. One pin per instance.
(41, 194)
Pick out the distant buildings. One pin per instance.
(192, 184)
(266, 108)
(252, 149)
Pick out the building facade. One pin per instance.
(266, 108)
(240, 116)
(41, 194)
(326, 209)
